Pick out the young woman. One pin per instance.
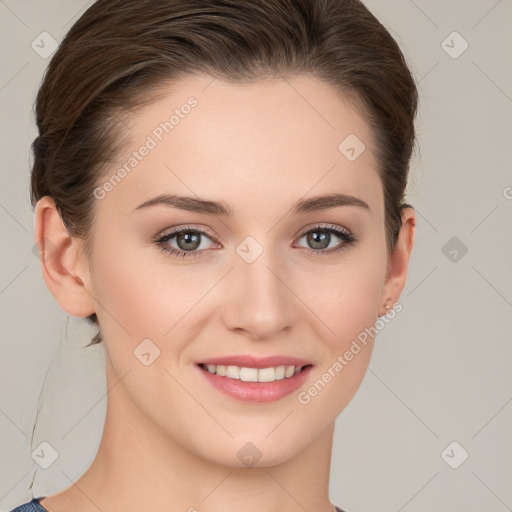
(219, 186)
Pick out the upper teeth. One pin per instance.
(254, 374)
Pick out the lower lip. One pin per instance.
(256, 391)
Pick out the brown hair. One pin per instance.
(120, 51)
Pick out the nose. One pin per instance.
(259, 299)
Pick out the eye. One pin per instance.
(320, 238)
(189, 240)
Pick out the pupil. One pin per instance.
(189, 238)
(317, 239)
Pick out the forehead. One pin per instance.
(282, 138)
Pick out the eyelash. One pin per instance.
(348, 240)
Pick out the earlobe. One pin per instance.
(59, 254)
(398, 262)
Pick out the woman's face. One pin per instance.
(269, 279)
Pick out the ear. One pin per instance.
(62, 262)
(398, 261)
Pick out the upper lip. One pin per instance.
(248, 361)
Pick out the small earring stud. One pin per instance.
(387, 306)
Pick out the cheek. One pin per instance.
(346, 296)
(138, 296)
(346, 351)
(141, 295)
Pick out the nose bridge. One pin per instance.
(261, 301)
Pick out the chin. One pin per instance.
(255, 451)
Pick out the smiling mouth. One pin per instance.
(248, 374)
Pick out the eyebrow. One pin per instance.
(220, 208)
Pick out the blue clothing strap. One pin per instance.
(31, 506)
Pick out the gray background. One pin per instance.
(440, 371)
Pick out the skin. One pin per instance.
(170, 440)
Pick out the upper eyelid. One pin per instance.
(175, 231)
